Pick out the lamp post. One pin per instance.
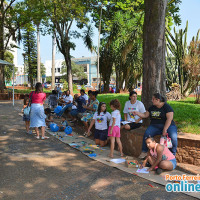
(24, 56)
(98, 49)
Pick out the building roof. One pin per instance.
(93, 59)
(3, 62)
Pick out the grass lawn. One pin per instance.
(186, 113)
(27, 91)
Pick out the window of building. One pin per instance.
(58, 70)
(85, 68)
(55, 70)
(94, 79)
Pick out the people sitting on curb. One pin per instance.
(85, 96)
(161, 116)
(132, 121)
(80, 102)
(68, 100)
(90, 110)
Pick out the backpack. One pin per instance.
(27, 110)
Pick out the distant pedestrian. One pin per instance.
(59, 90)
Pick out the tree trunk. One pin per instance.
(38, 54)
(2, 81)
(69, 71)
(117, 80)
(30, 67)
(106, 83)
(53, 61)
(153, 50)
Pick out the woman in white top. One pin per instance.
(132, 121)
(85, 96)
(68, 102)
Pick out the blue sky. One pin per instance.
(189, 10)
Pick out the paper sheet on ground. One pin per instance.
(125, 122)
(143, 170)
(118, 160)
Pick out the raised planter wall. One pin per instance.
(9, 96)
(188, 150)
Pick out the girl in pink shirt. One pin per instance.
(159, 157)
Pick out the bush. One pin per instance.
(25, 84)
(65, 85)
(82, 87)
(74, 87)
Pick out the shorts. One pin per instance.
(74, 112)
(134, 125)
(115, 132)
(173, 161)
(26, 118)
(101, 134)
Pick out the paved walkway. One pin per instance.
(46, 170)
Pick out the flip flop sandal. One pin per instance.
(45, 137)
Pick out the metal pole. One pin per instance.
(24, 55)
(53, 61)
(13, 85)
(98, 49)
(38, 55)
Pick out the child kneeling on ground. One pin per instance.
(49, 118)
(159, 157)
(100, 119)
(64, 123)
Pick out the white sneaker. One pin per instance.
(142, 155)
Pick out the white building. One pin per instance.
(88, 63)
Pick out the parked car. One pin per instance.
(15, 84)
(78, 87)
(46, 85)
(89, 87)
(61, 85)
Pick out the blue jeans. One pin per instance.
(156, 129)
(59, 94)
(74, 112)
(65, 108)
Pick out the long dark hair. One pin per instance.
(94, 93)
(38, 88)
(99, 108)
(160, 97)
(25, 99)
